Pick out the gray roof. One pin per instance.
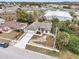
(13, 25)
(36, 25)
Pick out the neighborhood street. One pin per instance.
(16, 53)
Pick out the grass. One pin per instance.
(11, 35)
(43, 51)
(67, 55)
(34, 37)
(7, 37)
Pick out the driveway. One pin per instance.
(22, 43)
(16, 53)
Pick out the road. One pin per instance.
(16, 53)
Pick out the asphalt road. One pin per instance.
(16, 53)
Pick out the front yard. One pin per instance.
(44, 40)
(10, 36)
(41, 43)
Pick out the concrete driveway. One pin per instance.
(16, 53)
(22, 43)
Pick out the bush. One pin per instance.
(19, 30)
(73, 27)
(0, 32)
(73, 44)
(19, 20)
(62, 40)
(65, 29)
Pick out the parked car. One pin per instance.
(4, 45)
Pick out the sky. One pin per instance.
(40, 0)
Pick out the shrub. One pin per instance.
(0, 32)
(19, 30)
(62, 40)
(73, 44)
(65, 29)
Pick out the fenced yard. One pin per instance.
(42, 44)
(44, 40)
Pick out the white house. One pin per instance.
(61, 15)
(2, 20)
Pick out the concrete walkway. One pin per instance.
(22, 43)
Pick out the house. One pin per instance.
(2, 20)
(40, 27)
(15, 25)
(8, 13)
(77, 15)
(12, 25)
(61, 15)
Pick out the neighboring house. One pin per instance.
(61, 15)
(8, 13)
(42, 27)
(77, 15)
(12, 25)
(2, 20)
(15, 25)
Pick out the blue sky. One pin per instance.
(40, 0)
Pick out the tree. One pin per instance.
(67, 23)
(41, 19)
(30, 19)
(21, 15)
(73, 44)
(62, 40)
(72, 13)
(73, 27)
(55, 23)
(78, 22)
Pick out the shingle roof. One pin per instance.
(13, 25)
(36, 25)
